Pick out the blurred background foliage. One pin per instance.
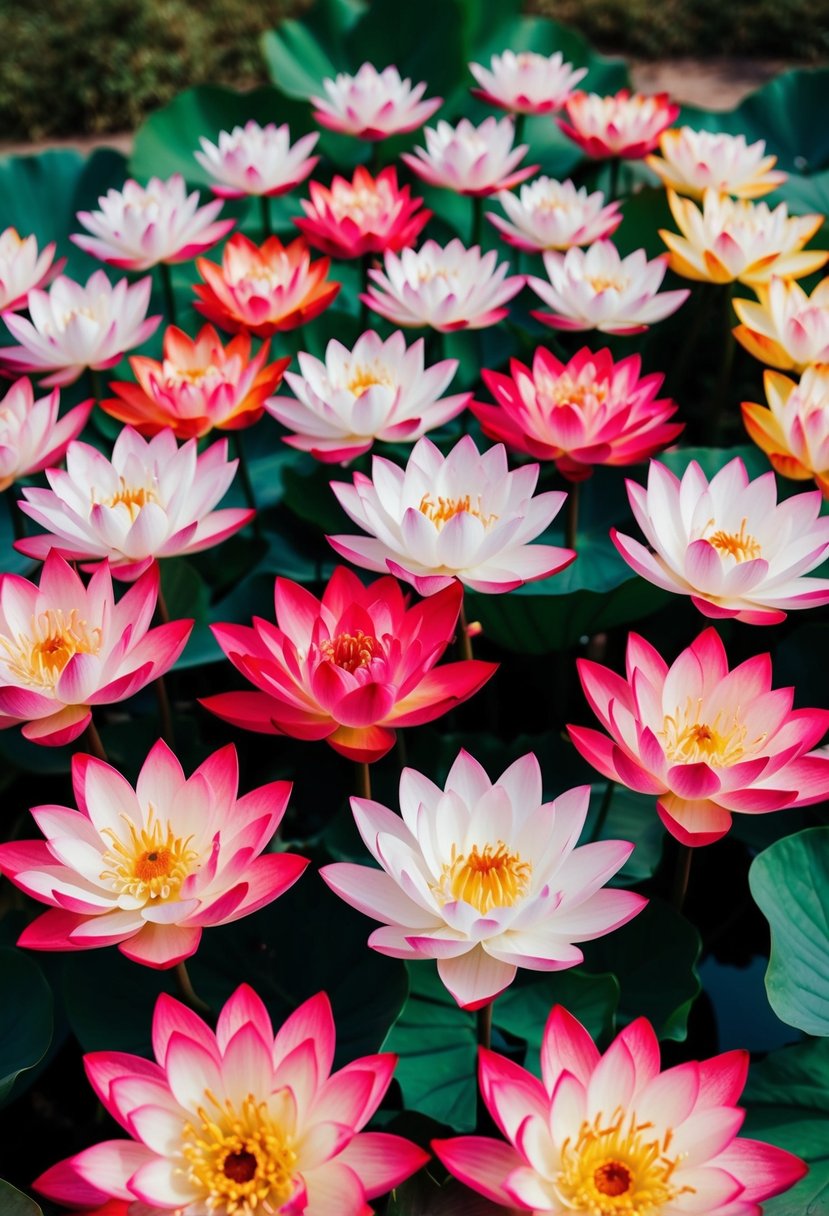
(78, 67)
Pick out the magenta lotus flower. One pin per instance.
(526, 82)
(31, 435)
(484, 877)
(372, 104)
(620, 125)
(349, 668)
(148, 869)
(728, 543)
(257, 160)
(464, 516)
(610, 1134)
(705, 740)
(74, 327)
(65, 647)
(237, 1121)
(548, 214)
(586, 412)
(469, 159)
(152, 500)
(365, 215)
(22, 268)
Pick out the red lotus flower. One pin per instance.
(365, 215)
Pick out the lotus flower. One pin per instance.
(586, 412)
(365, 215)
(794, 430)
(152, 500)
(65, 648)
(728, 544)
(263, 289)
(469, 159)
(739, 240)
(622, 125)
(148, 869)
(451, 288)
(378, 390)
(349, 668)
(705, 740)
(787, 329)
(695, 161)
(611, 1134)
(31, 436)
(372, 104)
(595, 288)
(139, 226)
(526, 83)
(484, 877)
(238, 1121)
(22, 268)
(257, 160)
(549, 214)
(199, 385)
(462, 516)
(75, 327)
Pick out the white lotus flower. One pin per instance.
(526, 82)
(469, 159)
(22, 267)
(547, 214)
(257, 160)
(695, 161)
(372, 104)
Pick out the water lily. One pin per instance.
(526, 82)
(365, 215)
(469, 159)
(695, 161)
(794, 430)
(625, 124)
(548, 214)
(373, 105)
(22, 267)
(786, 328)
(257, 160)
(31, 434)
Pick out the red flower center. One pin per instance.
(351, 650)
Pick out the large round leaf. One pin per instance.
(25, 1016)
(15, 1203)
(301, 53)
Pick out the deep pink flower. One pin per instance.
(621, 125)
(365, 215)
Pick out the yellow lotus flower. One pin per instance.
(794, 430)
(787, 328)
(695, 161)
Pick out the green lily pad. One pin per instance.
(15, 1203)
(25, 1017)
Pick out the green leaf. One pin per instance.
(25, 1016)
(790, 885)
(15, 1203)
(187, 595)
(631, 816)
(524, 1008)
(299, 54)
(711, 460)
(422, 1196)
(424, 40)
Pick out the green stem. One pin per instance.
(97, 384)
(188, 991)
(265, 214)
(520, 123)
(614, 165)
(477, 219)
(365, 262)
(484, 1025)
(464, 640)
(719, 397)
(363, 780)
(702, 300)
(93, 742)
(166, 276)
(15, 514)
(165, 713)
(247, 484)
(681, 876)
(604, 810)
(572, 526)
(161, 607)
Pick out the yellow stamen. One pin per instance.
(444, 509)
(491, 877)
(720, 741)
(740, 545)
(603, 283)
(351, 650)
(132, 497)
(151, 864)
(39, 658)
(364, 377)
(565, 390)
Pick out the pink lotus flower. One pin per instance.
(31, 435)
(526, 83)
(794, 430)
(372, 104)
(611, 1134)
(451, 288)
(148, 869)
(463, 516)
(596, 288)
(139, 226)
(365, 215)
(65, 648)
(236, 1121)
(787, 328)
(22, 268)
(705, 740)
(349, 668)
(548, 214)
(586, 412)
(263, 289)
(378, 390)
(484, 877)
(257, 160)
(199, 385)
(728, 543)
(695, 161)
(622, 125)
(469, 159)
(152, 500)
(75, 327)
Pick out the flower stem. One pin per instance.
(464, 640)
(681, 875)
(247, 484)
(614, 166)
(188, 991)
(572, 526)
(604, 809)
(97, 384)
(363, 780)
(15, 515)
(166, 275)
(165, 713)
(719, 397)
(477, 219)
(702, 301)
(483, 1121)
(161, 607)
(93, 742)
(520, 123)
(265, 214)
(365, 262)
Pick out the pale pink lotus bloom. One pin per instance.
(447, 288)
(74, 327)
(787, 328)
(236, 1121)
(525, 82)
(620, 125)
(22, 268)
(372, 104)
(378, 390)
(257, 160)
(705, 740)
(152, 500)
(463, 516)
(695, 161)
(548, 214)
(610, 1134)
(65, 647)
(589, 411)
(728, 543)
(596, 288)
(469, 159)
(794, 430)
(365, 215)
(31, 434)
(484, 876)
(349, 668)
(148, 869)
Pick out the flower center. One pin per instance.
(565, 390)
(491, 877)
(151, 864)
(618, 1168)
(69, 315)
(688, 740)
(601, 282)
(441, 510)
(40, 658)
(243, 1161)
(132, 497)
(360, 205)
(363, 377)
(740, 545)
(351, 650)
(190, 375)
